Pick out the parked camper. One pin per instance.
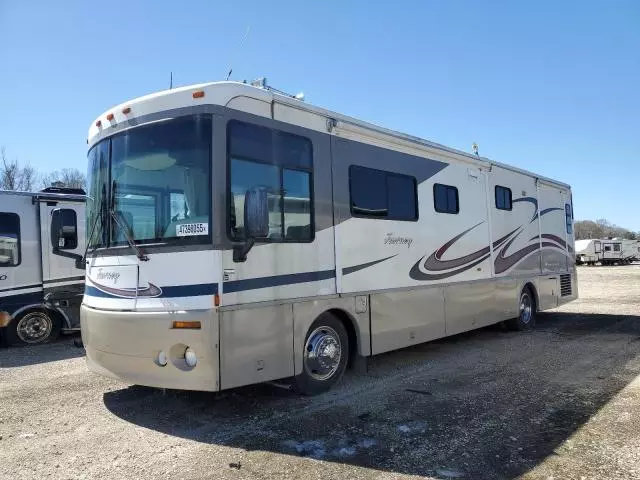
(41, 268)
(588, 252)
(243, 236)
(619, 251)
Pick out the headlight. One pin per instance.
(190, 357)
(162, 359)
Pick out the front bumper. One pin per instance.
(125, 345)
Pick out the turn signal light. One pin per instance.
(188, 325)
(198, 94)
(216, 300)
(110, 117)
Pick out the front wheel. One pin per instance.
(325, 355)
(526, 318)
(33, 327)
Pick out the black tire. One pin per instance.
(320, 373)
(33, 327)
(526, 318)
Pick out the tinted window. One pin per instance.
(569, 217)
(445, 198)
(401, 195)
(385, 195)
(607, 248)
(616, 247)
(282, 163)
(368, 191)
(9, 240)
(503, 198)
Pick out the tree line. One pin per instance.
(585, 229)
(23, 177)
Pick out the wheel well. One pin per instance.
(534, 292)
(346, 320)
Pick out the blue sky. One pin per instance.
(549, 86)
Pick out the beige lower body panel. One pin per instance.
(126, 345)
(257, 344)
(403, 318)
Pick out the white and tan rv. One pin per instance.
(239, 235)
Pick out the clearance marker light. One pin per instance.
(187, 325)
(126, 110)
(98, 123)
(110, 117)
(198, 94)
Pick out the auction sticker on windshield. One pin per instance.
(190, 229)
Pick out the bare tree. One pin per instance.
(67, 177)
(13, 176)
(601, 228)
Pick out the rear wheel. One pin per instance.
(526, 318)
(325, 355)
(33, 327)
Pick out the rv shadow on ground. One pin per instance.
(24, 355)
(486, 404)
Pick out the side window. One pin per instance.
(569, 218)
(616, 247)
(384, 195)
(607, 248)
(9, 240)
(445, 199)
(64, 229)
(280, 162)
(503, 198)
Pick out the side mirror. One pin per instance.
(256, 213)
(256, 221)
(64, 229)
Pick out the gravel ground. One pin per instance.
(562, 401)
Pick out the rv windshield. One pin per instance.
(157, 184)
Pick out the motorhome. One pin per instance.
(588, 252)
(241, 235)
(41, 263)
(618, 251)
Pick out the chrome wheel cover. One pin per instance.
(526, 308)
(34, 327)
(322, 353)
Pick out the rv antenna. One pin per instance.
(170, 80)
(246, 34)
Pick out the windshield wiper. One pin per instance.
(95, 224)
(125, 229)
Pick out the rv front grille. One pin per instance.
(565, 285)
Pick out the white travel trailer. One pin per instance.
(619, 251)
(588, 252)
(243, 236)
(41, 263)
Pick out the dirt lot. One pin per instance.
(560, 402)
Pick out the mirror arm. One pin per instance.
(240, 251)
